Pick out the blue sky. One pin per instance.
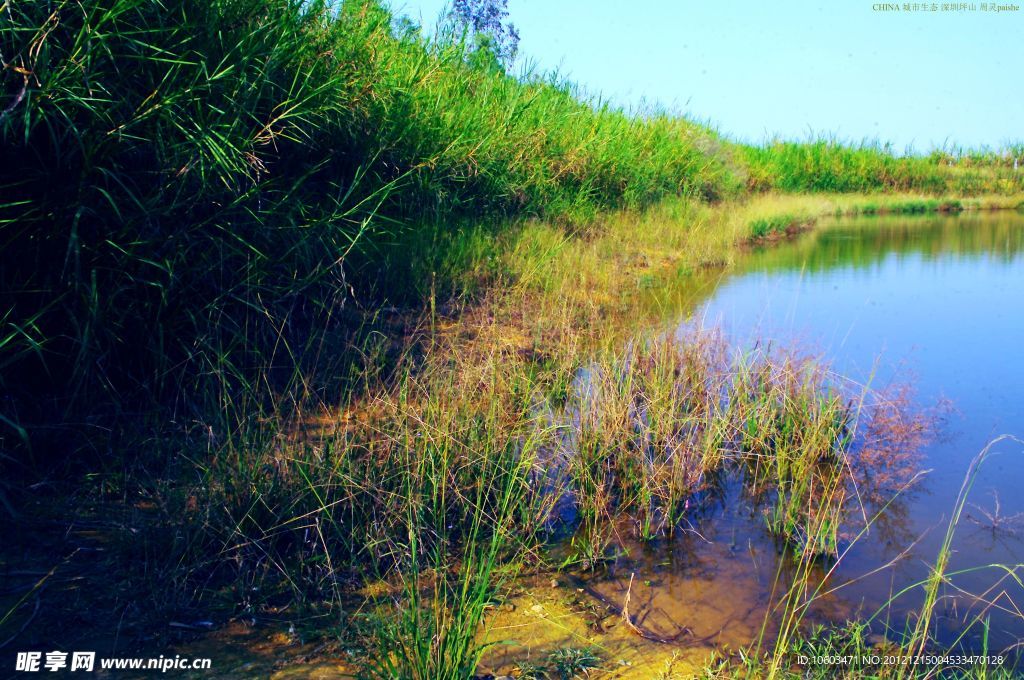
(789, 68)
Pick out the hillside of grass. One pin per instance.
(190, 192)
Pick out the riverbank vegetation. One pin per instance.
(294, 298)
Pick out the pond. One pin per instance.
(935, 302)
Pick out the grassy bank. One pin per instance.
(203, 215)
(292, 301)
(828, 165)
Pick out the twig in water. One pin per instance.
(996, 520)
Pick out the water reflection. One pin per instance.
(941, 301)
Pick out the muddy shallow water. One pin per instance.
(936, 302)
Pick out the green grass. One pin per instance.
(568, 663)
(776, 224)
(828, 165)
(198, 189)
(654, 430)
(908, 207)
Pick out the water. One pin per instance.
(937, 302)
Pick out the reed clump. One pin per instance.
(655, 430)
(764, 227)
(912, 207)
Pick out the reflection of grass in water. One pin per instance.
(866, 241)
(657, 426)
(995, 520)
(854, 639)
(919, 638)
